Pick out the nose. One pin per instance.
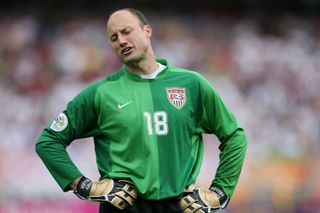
(122, 40)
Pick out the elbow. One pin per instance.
(38, 148)
(244, 141)
(42, 146)
(243, 137)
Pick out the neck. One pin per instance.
(145, 66)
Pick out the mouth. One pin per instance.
(127, 51)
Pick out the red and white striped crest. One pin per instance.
(177, 97)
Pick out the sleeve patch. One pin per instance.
(60, 123)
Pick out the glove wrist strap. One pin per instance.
(223, 198)
(83, 188)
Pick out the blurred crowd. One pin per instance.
(267, 69)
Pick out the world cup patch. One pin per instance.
(60, 123)
(177, 97)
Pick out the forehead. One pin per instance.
(120, 20)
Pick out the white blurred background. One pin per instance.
(263, 57)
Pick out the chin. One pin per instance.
(131, 60)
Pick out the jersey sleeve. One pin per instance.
(78, 120)
(219, 120)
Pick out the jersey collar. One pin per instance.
(137, 77)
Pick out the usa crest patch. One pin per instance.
(177, 96)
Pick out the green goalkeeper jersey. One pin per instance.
(148, 131)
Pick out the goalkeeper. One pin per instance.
(147, 121)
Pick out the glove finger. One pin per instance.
(186, 202)
(194, 208)
(118, 202)
(125, 197)
(202, 211)
(126, 191)
(119, 193)
(129, 189)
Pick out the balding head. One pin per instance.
(139, 15)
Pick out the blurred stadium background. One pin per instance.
(262, 56)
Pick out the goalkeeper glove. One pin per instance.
(120, 193)
(200, 200)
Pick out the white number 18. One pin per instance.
(160, 120)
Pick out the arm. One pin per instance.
(219, 120)
(119, 193)
(78, 120)
(55, 157)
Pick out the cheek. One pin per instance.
(137, 38)
(142, 41)
(115, 47)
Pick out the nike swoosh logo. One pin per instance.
(120, 106)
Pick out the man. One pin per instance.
(147, 121)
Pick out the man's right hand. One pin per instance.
(120, 193)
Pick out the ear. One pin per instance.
(147, 30)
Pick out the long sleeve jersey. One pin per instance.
(148, 131)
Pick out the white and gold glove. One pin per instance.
(120, 193)
(198, 200)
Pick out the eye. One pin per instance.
(126, 31)
(113, 38)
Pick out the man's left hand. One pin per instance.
(199, 200)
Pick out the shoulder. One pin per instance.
(186, 73)
(104, 81)
(194, 78)
(91, 89)
(178, 71)
(115, 76)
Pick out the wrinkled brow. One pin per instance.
(123, 30)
